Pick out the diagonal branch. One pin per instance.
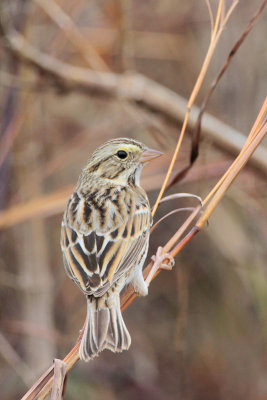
(133, 88)
(43, 386)
(58, 15)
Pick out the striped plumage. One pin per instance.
(104, 239)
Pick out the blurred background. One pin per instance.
(201, 332)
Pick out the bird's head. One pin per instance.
(120, 160)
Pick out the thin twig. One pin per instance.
(59, 378)
(217, 31)
(9, 354)
(245, 148)
(229, 59)
(211, 17)
(177, 210)
(231, 175)
(58, 15)
(181, 196)
(197, 129)
(10, 135)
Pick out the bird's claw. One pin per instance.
(158, 259)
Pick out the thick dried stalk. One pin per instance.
(43, 386)
(133, 88)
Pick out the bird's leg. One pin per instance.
(158, 264)
(140, 286)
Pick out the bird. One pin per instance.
(104, 239)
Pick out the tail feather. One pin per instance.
(105, 329)
(118, 337)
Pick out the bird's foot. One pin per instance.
(159, 265)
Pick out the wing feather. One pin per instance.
(95, 259)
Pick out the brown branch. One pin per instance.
(43, 386)
(134, 88)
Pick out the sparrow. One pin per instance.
(104, 239)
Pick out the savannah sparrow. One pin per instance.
(104, 239)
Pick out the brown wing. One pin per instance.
(95, 258)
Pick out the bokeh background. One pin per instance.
(201, 332)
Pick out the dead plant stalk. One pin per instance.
(43, 386)
(217, 30)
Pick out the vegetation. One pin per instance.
(74, 74)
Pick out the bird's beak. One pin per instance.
(149, 154)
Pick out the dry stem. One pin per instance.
(43, 386)
(216, 34)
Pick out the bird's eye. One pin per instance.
(122, 154)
